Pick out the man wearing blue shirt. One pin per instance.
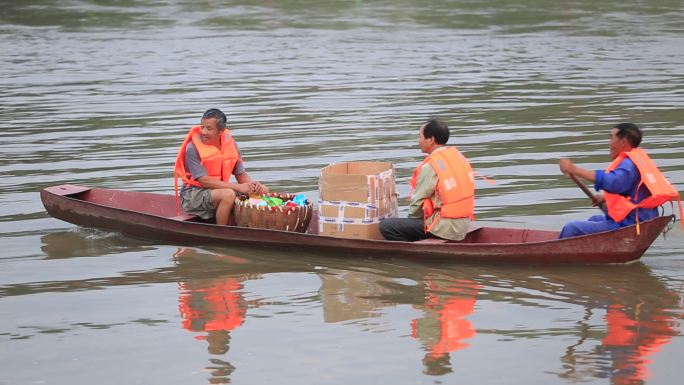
(623, 180)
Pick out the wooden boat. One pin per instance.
(154, 216)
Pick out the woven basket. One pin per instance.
(275, 218)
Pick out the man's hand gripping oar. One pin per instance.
(597, 201)
(569, 169)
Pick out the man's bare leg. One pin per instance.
(223, 200)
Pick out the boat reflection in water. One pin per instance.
(639, 315)
(628, 313)
(347, 295)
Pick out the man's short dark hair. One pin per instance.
(215, 113)
(435, 128)
(629, 131)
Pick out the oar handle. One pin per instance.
(591, 195)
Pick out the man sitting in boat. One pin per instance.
(205, 162)
(442, 199)
(633, 186)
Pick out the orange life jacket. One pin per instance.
(453, 304)
(218, 163)
(660, 188)
(637, 338)
(455, 185)
(215, 307)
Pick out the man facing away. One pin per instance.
(632, 184)
(205, 162)
(442, 199)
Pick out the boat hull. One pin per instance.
(154, 216)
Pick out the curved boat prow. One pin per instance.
(65, 189)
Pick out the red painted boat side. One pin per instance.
(154, 216)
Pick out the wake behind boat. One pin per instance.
(155, 216)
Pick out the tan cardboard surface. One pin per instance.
(371, 231)
(380, 209)
(354, 196)
(348, 221)
(357, 181)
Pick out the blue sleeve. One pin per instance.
(192, 162)
(598, 181)
(621, 180)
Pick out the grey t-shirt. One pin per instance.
(194, 165)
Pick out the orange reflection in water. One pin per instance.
(641, 317)
(211, 306)
(216, 306)
(632, 337)
(445, 326)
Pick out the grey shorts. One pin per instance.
(197, 201)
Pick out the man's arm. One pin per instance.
(213, 184)
(617, 181)
(245, 184)
(425, 188)
(199, 173)
(567, 167)
(193, 163)
(254, 186)
(621, 180)
(243, 177)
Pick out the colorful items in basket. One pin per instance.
(278, 200)
(275, 211)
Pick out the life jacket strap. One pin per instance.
(638, 230)
(434, 222)
(484, 178)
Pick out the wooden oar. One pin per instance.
(591, 195)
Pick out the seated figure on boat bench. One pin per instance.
(442, 198)
(633, 186)
(205, 162)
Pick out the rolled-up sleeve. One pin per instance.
(193, 163)
(618, 181)
(239, 165)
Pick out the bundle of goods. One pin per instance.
(354, 198)
(275, 211)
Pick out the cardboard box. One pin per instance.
(354, 197)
